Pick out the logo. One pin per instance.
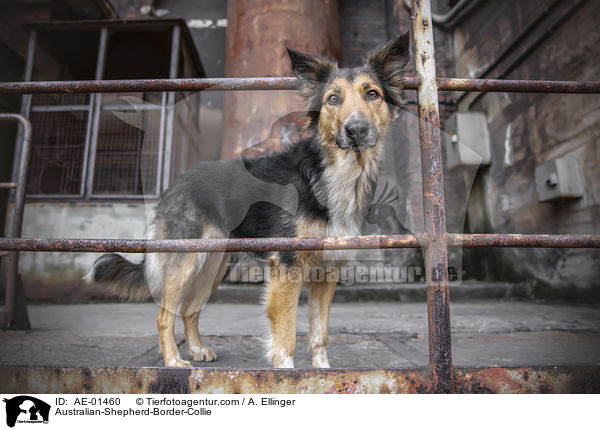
(26, 409)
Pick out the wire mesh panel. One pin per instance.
(127, 153)
(42, 100)
(57, 155)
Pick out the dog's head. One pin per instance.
(350, 109)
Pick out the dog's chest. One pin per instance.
(346, 188)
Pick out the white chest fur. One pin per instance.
(348, 184)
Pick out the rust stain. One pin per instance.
(538, 379)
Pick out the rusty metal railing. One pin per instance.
(441, 377)
(242, 84)
(13, 317)
(300, 243)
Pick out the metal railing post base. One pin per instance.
(20, 317)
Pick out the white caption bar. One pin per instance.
(282, 412)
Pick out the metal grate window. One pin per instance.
(57, 156)
(127, 156)
(80, 148)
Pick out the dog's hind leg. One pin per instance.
(283, 291)
(214, 267)
(176, 278)
(320, 295)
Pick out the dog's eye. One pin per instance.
(372, 94)
(333, 99)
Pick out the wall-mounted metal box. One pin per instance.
(467, 140)
(559, 178)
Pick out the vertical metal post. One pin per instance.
(16, 225)
(94, 117)
(25, 103)
(436, 252)
(170, 121)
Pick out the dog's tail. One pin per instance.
(125, 278)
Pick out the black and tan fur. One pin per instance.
(321, 186)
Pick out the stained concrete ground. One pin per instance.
(365, 335)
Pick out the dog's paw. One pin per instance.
(284, 363)
(319, 358)
(321, 364)
(178, 363)
(203, 353)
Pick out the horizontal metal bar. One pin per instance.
(148, 85)
(518, 86)
(282, 83)
(123, 196)
(53, 196)
(210, 245)
(141, 380)
(132, 107)
(524, 240)
(60, 108)
(296, 243)
(9, 184)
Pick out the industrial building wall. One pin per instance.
(502, 40)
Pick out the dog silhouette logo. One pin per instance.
(26, 409)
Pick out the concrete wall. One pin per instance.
(57, 276)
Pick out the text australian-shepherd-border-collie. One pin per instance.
(321, 186)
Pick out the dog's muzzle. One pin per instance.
(357, 133)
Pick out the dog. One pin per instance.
(321, 186)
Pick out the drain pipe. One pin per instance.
(444, 21)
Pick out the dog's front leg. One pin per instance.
(320, 295)
(283, 291)
(173, 290)
(166, 336)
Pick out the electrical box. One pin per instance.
(467, 140)
(559, 178)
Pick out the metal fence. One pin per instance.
(12, 314)
(441, 376)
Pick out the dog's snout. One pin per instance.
(357, 133)
(357, 129)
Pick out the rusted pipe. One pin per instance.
(211, 245)
(452, 17)
(284, 83)
(148, 85)
(518, 86)
(434, 216)
(258, 32)
(524, 240)
(17, 219)
(297, 244)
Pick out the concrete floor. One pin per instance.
(365, 335)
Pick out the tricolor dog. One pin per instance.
(321, 186)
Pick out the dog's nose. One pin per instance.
(357, 129)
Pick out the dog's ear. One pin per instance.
(310, 67)
(312, 72)
(388, 62)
